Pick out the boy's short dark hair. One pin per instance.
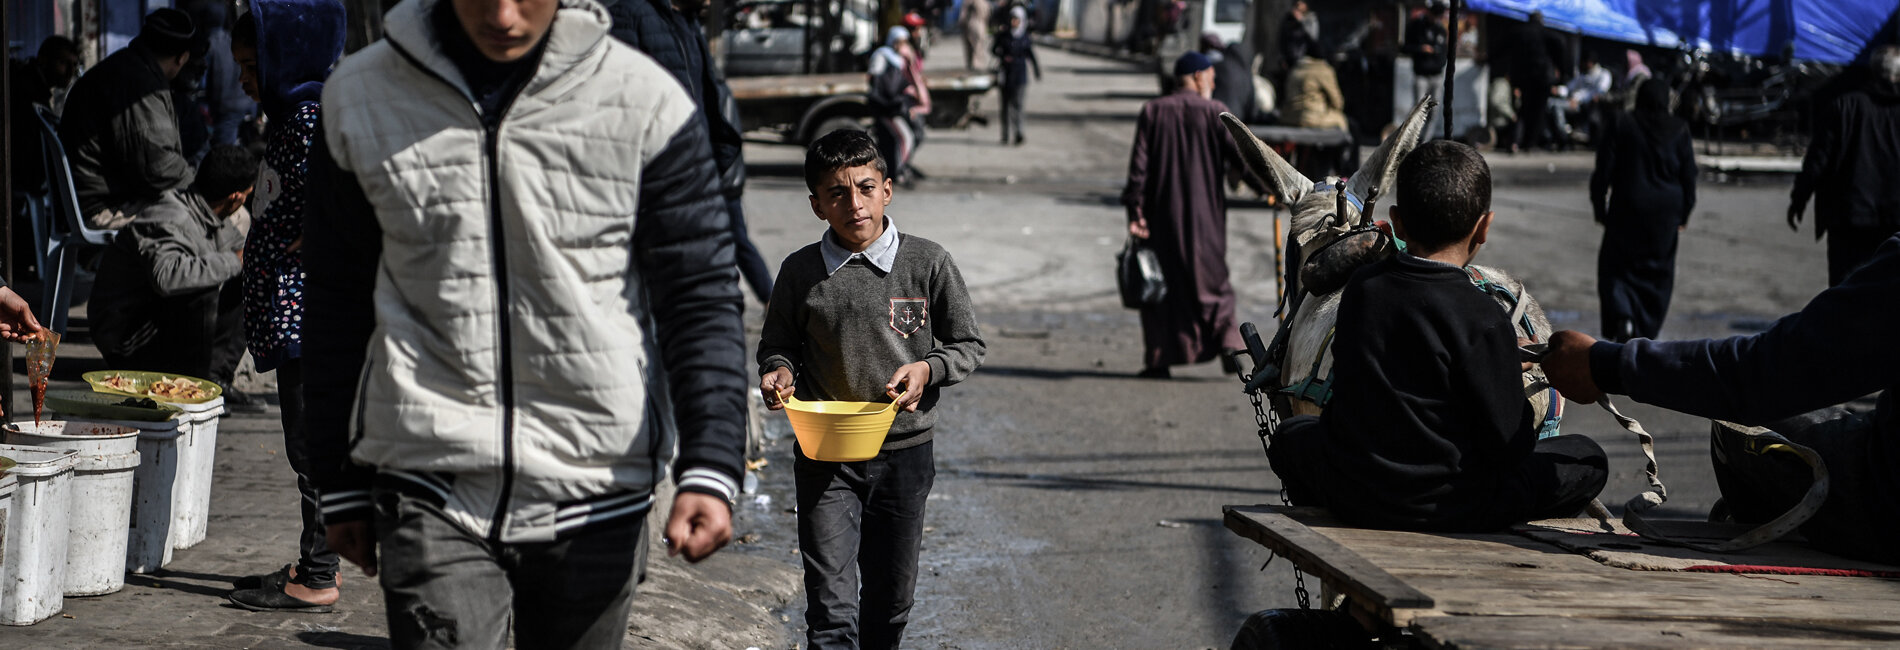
(838, 150)
(1444, 187)
(227, 168)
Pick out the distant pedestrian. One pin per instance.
(1016, 56)
(1176, 202)
(37, 82)
(120, 129)
(866, 314)
(283, 50)
(1533, 58)
(1428, 43)
(1850, 168)
(670, 31)
(1299, 30)
(974, 21)
(1643, 190)
(891, 101)
(519, 313)
(1233, 74)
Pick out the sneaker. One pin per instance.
(237, 401)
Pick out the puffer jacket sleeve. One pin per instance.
(683, 249)
(342, 249)
(177, 259)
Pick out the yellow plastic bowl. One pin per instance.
(840, 432)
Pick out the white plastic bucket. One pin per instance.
(7, 485)
(35, 558)
(156, 488)
(102, 497)
(198, 449)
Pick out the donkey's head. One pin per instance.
(1315, 205)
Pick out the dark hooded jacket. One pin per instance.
(678, 43)
(1852, 161)
(297, 42)
(121, 132)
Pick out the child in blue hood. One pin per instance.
(284, 49)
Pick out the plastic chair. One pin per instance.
(65, 230)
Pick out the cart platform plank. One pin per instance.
(1506, 590)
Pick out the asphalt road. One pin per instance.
(1076, 506)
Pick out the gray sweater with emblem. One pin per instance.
(844, 332)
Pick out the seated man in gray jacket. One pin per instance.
(155, 303)
(120, 129)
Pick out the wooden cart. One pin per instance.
(1522, 589)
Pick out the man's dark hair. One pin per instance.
(245, 32)
(839, 150)
(1590, 56)
(1444, 187)
(57, 46)
(227, 168)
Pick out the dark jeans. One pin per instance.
(1013, 109)
(751, 264)
(1849, 247)
(227, 336)
(180, 341)
(1858, 520)
(316, 563)
(1532, 109)
(861, 519)
(447, 588)
(1559, 478)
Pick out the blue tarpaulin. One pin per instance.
(1833, 31)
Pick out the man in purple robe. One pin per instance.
(1175, 203)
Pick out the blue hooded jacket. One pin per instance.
(297, 43)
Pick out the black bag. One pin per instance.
(1139, 275)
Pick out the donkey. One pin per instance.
(1334, 232)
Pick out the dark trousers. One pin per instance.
(316, 563)
(1858, 520)
(1013, 109)
(1849, 247)
(1559, 478)
(1533, 108)
(861, 519)
(752, 265)
(447, 588)
(227, 336)
(179, 340)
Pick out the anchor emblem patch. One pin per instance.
(909, 315)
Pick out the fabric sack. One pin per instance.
(1139, 275)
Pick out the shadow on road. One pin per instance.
(342, 640)
(1111, 95)
(1083, 483)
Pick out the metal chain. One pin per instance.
(1269, 422)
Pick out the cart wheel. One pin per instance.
(1279, 629)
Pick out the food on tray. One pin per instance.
(177, 388)
(120, 382)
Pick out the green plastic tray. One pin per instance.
(101, 406)
(142, 380)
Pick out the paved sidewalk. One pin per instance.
(727, 602)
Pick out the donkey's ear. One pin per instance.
(1286, 181)
(1382, 166)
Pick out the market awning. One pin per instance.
(1833, 31)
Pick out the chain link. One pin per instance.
(1269, 422)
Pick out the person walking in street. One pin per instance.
(1791, 379)
(1175, 202)
(1299, 31)
(1233, 74)
(891, 101)
(1015, 57)
(1642, 191)
(1534, 57)
(1428, 43)
(284, 49)
(973, 19)
(671, 33)
(119, 127)
(517, 313)
(865, 314)
(154, 306)
(1852, 161)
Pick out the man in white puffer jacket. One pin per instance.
(521, 300)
